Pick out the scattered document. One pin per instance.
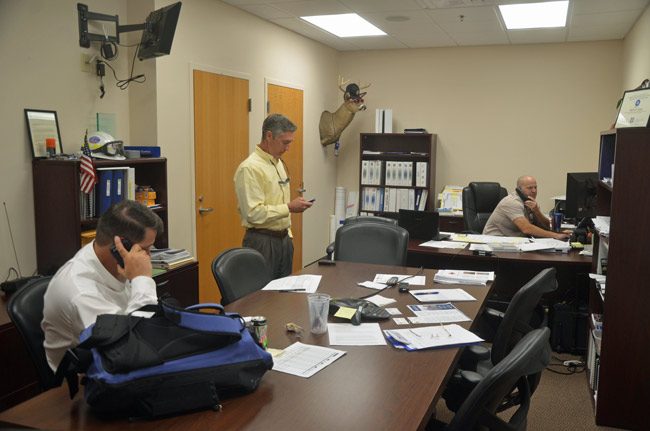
(307, 283)
(400, 321)
(394, 311)
(372, 285)
(431, 337)
(365, 334)
(480, 247)
(459, 276)
(601, 223)
(418, 280)
(380, 301)
(444, 244)
(545, 244)
(305, 360)
(441, 295)
(488, 239)
(437, 313)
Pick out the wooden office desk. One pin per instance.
(512, 270)
(370, 388)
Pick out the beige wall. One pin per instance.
(499, 112)
(217, 37)
(478, 100)
(636, 53)
(40, 68)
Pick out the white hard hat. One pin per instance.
(103, 146)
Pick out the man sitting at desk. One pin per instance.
(515, 216)
(93, 283)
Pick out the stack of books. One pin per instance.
(170, 258)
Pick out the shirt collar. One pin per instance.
(103, 273)
(266, 156)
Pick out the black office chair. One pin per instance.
(238, 272)
(479, 200)
(360, 219)
(523, 315)
(25, 310)
(528, 357)
(379, 243)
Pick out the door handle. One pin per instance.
(205, 210)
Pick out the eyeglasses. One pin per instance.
(286, 169)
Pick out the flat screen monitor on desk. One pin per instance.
(581, 195)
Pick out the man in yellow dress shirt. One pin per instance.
(263, 195)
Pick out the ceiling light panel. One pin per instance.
(344, 25)
(535, 15)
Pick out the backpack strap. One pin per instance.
(192, 318)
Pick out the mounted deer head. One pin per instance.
(332, 124)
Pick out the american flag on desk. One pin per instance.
(88, 174)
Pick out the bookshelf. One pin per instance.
(57, 204)
(396, 170)
(622, 372)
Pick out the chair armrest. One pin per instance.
(330, 251)
(471, 356)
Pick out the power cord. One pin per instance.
(122, 84)
(572, 366)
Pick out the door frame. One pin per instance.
(218, 71)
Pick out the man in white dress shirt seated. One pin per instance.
(93, 283)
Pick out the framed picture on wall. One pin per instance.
(44, 135)
(635, 109)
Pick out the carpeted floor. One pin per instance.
(560, 403)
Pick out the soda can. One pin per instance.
(557, 221)
(259, 330)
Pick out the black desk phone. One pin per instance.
(522, 195)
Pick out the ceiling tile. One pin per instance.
(425, 40)
(265, 11)
(301, 27)
(415, 20)
(376, 42)
(473, 14)
(312, 7)
(538, 35)
(604, 20)
(381, 5)
(599, 6)
(471, 39)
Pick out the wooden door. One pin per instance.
(220, 144)
(288, 102)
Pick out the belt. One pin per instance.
(269, 232)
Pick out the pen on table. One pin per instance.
(292, 290)
(426, 293)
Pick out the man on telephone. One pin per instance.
(111, 275)
(519, 214)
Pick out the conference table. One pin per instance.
(512, 269)
(369, 388)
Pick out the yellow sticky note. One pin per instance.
(345, 312)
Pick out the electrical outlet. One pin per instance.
(86, 64)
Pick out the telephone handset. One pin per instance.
(116, 254)
(522, 195)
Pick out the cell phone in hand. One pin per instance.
(116, 254)
(312, 200)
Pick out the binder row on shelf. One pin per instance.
(395, 173)
(391, 199)
(113, 185)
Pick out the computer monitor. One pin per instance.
(159, 29)
(581, 195)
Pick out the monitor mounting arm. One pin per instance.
(85, 37)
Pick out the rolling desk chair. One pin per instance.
(479, 411)
(479, 200)
(379, 243)
(238, 272)
(519, 319)
(25, 310)
(360, 219)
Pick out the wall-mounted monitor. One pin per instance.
(159, 29)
